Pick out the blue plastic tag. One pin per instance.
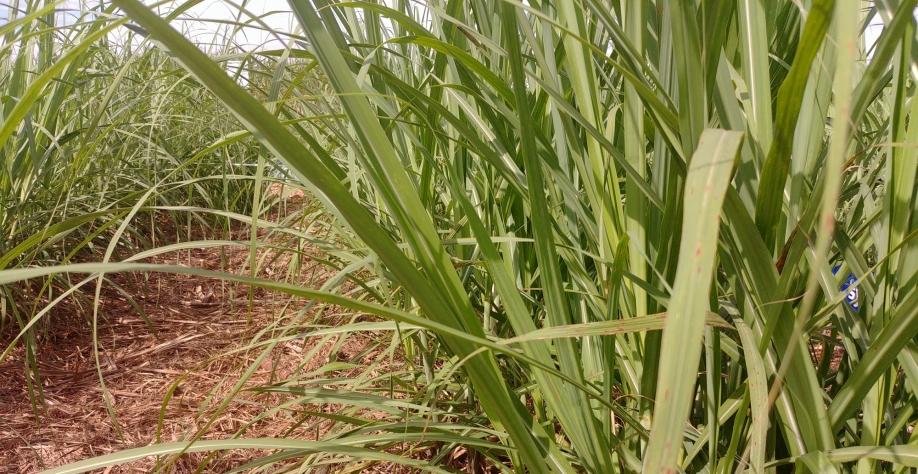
(852, 297)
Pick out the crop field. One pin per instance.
(483, 236)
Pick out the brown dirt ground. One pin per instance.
(190, 324)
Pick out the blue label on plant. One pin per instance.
(852, 297)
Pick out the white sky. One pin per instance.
(276, 13)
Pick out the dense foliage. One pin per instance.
(626, 223)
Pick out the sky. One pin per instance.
(273, 12)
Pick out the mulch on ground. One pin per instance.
(163, 334)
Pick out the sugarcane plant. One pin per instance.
(653, 236)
